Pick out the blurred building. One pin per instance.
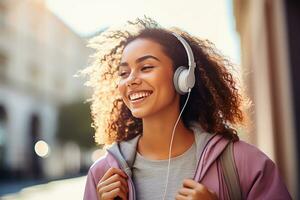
(39, 55)
(270, 40)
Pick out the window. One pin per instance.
(2, 15)
(3, 134)
(34, 77)
(3, 66)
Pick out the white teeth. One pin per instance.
(138, 95)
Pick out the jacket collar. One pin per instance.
(125, 153)
(209, 147)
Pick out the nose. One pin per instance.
(133, 80)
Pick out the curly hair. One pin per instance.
(215, 102)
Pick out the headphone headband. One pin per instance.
(190, 55)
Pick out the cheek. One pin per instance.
(166, 82)
(121, 89)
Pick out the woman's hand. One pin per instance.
(113, 184)
(193, 190)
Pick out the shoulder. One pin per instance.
(258, 174)
(98, 168)
(250, 161)
(245, 152)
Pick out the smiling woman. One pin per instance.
(162, 96)
(104, 79)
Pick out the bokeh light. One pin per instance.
(42, 149)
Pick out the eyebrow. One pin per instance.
(141, 59)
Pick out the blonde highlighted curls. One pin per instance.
(215, 100)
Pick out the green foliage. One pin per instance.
(75, 124)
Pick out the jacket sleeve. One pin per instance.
(259, 176)
(90, 192)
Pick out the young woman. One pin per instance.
(168, 127)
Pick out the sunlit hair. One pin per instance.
(215, 102)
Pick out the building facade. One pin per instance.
(268, 68)
(39, 55)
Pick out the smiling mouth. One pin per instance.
(139, 96)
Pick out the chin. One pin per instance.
(138, 114)
(141, 113)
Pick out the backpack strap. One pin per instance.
(230, 174)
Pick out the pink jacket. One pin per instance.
(258, 175)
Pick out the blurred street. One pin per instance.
(72, 188)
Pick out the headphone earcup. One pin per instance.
(178, 80)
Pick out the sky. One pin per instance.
(211, 19)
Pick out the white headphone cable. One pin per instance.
(171, 143)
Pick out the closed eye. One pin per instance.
(147, 68)
(123, 74)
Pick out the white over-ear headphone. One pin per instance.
(184, 77)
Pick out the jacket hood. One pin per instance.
(209, 147)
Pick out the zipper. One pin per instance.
(129, 177)
(133, 188)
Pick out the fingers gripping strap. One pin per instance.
(230, 173)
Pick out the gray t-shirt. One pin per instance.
(150, 175)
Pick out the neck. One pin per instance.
(157, 133)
